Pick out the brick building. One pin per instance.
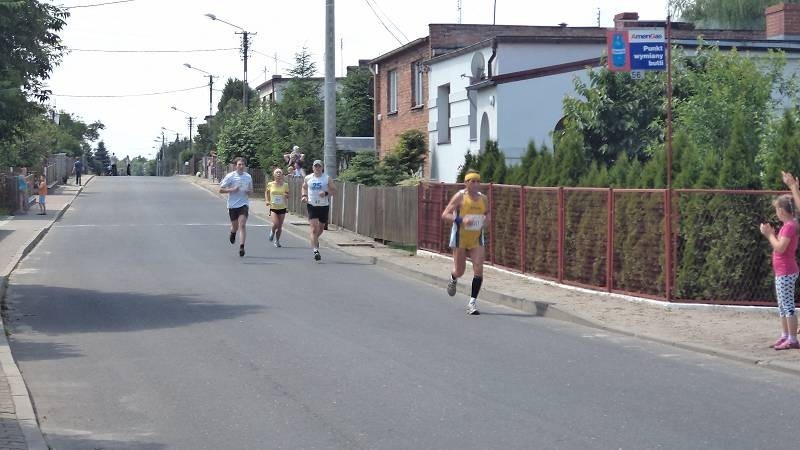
(401, 81)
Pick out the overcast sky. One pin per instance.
(282, 27)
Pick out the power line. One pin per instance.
(131, 95)
(98, 4)
(390, 20)
(382, 22)
(271, 57)
(152, 51)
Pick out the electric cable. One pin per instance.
(130, 95)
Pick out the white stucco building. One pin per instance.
(510, 89)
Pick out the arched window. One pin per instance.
(485, 134)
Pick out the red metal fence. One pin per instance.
(618, 240)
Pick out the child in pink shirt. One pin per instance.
(784, 246)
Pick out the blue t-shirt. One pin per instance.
(78, 167)
(244, 181)
(22, 184)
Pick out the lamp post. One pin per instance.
(210, 86)
(245, 49)
(159, 153)
(164, 148)
(331, 165)
(191, 121)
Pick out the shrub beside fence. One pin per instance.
(618, 240)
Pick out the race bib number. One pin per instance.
(473, 222)
(277, 199)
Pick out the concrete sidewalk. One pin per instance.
(19, 428)
(741, 334)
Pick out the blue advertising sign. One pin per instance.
(647, 49)
(636, 50)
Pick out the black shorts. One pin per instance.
(279, 212)
(318, 212)
(234, 213)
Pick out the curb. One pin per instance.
(547, 309)
(23, 404)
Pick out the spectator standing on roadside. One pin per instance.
(42, 195)
(22, 188)
(784, 264)
(114, 161)
(77, 169)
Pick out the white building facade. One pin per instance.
(511, 89)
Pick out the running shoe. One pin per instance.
(272, 235)
(451, 287)
(241, 251)
(233, 237)
(472, 309)
(787, 344)
(317, 256)
(277, 243)
(778, 342)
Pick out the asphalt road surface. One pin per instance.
(137, 326)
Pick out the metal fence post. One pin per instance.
(522, 228)
(667, 243)
(561, 231)
(491, 221)
(358, 197)
(420, 212)
(610, 242)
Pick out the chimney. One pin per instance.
(783, 21)
(622, 20)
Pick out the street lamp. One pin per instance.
(191, 119)
(163, 169)
(210, 86)
(245, 48)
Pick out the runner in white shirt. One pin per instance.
(317, 190)
(237, 185)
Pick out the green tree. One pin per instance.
(411, 150)
(31, 48)
(101, 158)
(617, 115)
(362, 169)
(244, 135)
(785, 151)
(728, 14)
(571, 162)
(298, 118)
(355, 104)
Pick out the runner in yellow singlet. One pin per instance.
(275, 196)
(468, 210)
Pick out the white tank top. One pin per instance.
(316, 186)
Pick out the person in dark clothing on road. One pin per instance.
(77, 169)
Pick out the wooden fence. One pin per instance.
(384, 213)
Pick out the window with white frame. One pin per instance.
(392, 103)
(416, 84)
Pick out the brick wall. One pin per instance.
(783, 20)
(390, 126)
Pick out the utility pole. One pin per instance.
(330, 91)
(459, 11)
(494, 15)
(245, 50)
(210, 95)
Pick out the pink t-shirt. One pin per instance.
(785, 263)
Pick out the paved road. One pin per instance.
(137, 326)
